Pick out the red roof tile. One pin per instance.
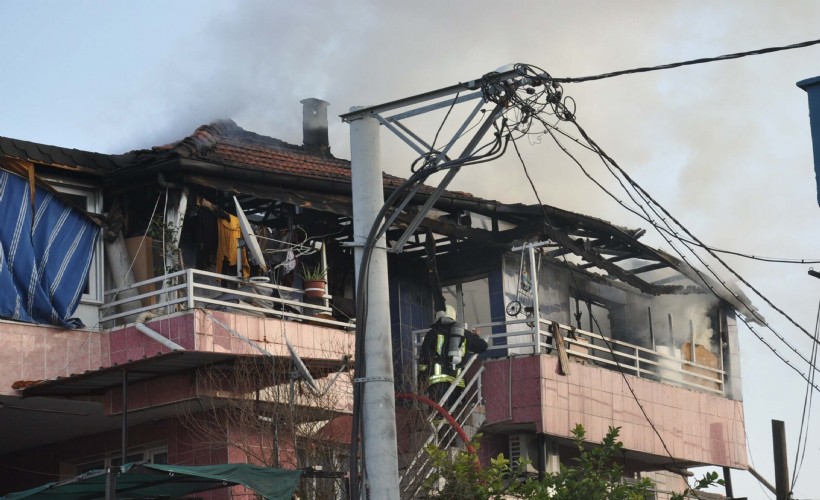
(225, 142)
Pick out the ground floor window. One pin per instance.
(153, 455)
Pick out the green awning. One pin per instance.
(154, 481)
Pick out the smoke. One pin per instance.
(718, 144)
(725, 146)
(677, 319)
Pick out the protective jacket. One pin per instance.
(436, 366)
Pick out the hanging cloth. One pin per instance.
(46, 247)
(229, 234)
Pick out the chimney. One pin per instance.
(812, 87)
(314, 125)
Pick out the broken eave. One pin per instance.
(223, 157)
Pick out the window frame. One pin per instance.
(112, 458)
(455, 291)
(94, 204)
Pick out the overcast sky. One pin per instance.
(724, 146)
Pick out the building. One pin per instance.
(188, 356)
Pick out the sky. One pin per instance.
(724, 146)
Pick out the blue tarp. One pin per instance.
(45, 254)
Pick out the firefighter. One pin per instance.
(444, 353)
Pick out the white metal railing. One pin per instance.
(462, 409)
(531, 337)
(192, 288)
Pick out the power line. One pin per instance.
(667, 219)
(550, 128)
(553, 96)
(549, 97)
(802, 441)
(608, 344)
(650, 202)
(692, 62)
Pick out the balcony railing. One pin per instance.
(192, 288)
(526, 336)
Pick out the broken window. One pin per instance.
(590, 315)
(471, 300)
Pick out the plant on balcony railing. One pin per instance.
(314, 279)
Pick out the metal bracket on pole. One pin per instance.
(411, 228)
(358, 114)
(408, 137)
(475, 91)
(364, 380)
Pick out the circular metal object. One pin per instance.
(513, 308)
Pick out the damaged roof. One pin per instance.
(225, 156)
(223, 142)
(64, 158)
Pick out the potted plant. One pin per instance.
(313, 280)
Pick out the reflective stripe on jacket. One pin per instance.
(438, 373)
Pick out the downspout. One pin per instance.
(119, 262)
(154, 335)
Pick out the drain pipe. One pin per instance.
(154, 335)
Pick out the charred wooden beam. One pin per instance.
(468, 262)
(619, 256)
(649, 267)
(598, 260)
(557, 252)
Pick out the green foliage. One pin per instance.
(597, 475)
(314, 273)
(463, 476)
(162, 230)
(165, 236)
(710, 479)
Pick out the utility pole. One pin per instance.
(781, 464)
(380, 456)
(379, 401)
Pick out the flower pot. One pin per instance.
(314, 288)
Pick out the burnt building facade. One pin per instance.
(218, 313)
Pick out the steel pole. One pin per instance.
(124, 451)
(378, 401)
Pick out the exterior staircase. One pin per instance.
(467, 410)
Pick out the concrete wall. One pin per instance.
(696, 427)
(34, 352)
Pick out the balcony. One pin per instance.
(703, 374)
(534, 382)
(522, 337)
(195, 289)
